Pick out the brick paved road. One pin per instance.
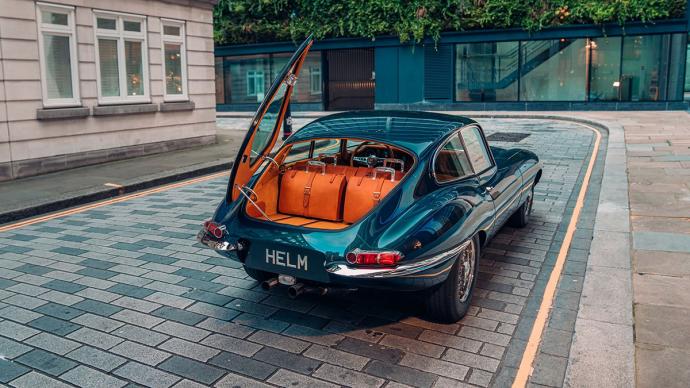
(122, 294)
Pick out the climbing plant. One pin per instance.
(248, 21)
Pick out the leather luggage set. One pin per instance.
(334, 194)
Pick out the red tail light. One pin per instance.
(376, 258)
(213, 228)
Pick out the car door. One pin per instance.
(502, 185)
(266, 124)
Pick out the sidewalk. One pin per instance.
(35, 195)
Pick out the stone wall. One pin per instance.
(35, 140)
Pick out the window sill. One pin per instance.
(176, 106)
(110, 110)
(61, 113)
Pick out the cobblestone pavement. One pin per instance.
(122, 294)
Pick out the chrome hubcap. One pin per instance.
(466, 261)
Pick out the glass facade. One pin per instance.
(605, 68)
(245, 79)
(486, 71)
(630, 68)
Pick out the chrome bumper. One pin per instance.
(223, 246)
(401, 270)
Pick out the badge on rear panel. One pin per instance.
(286, 259)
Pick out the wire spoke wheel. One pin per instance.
(466, 261)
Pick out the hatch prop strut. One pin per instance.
(242, 191)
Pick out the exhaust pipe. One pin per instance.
(296, 290)
(268, 284)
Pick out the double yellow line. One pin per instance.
(527, 362)
(111, 201)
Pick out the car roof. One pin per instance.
(412, 130)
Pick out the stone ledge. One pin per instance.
(176, 106)
(61, 113)
(109, 110)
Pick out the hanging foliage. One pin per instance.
(250, 21)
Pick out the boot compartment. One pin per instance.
(314, 194)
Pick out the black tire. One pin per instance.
(447, 302)
(520, 218)
(256, 274)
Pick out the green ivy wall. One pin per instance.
(251, 21)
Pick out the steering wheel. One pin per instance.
(370, 161)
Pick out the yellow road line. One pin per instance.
(526, 364)
(111, 201)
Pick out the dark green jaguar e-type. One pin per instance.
(381, 199)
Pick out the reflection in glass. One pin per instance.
(173, 68)
(308, 87)
(486, 71)
(675, 71)
(263, 132)
(58, 66)
(476, 149)
(134, 67)
(644, 68)
(107, 55)
(105, 24)
(49, 17)
(604, 78)
(451, 161)
(553, 70)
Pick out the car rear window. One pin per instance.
(476, 149)
(451, 162)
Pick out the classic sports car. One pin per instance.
(380, 199)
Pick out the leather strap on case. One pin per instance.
(377, 193)
(307, 193)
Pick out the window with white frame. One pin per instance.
(58, 55)
(255, 83)
(315, 80)
(121, 58)
(174, 60)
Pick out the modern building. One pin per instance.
(639, 66)
(86, 81)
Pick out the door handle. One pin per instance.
(493, 192)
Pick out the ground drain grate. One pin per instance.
(507, 137)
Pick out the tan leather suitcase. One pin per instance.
(363, 193)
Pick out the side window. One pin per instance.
(476, 149)
(451, 161)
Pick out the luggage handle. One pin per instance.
(388, 161)
(317, 163)
(385, 170)
(324, 156)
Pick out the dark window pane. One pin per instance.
(106, 24)
(605, 72)
(645, 67)
(134, 67)
(173, 68)
(171, 30)
(132, 26)
(675, 72)
(451, 161)
(110, 78)
(486, 71)
(51, 17)
(220, 81)
(58, 66)
(553, 70)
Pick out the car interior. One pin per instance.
(326, 183)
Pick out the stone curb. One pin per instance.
(97, 194)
